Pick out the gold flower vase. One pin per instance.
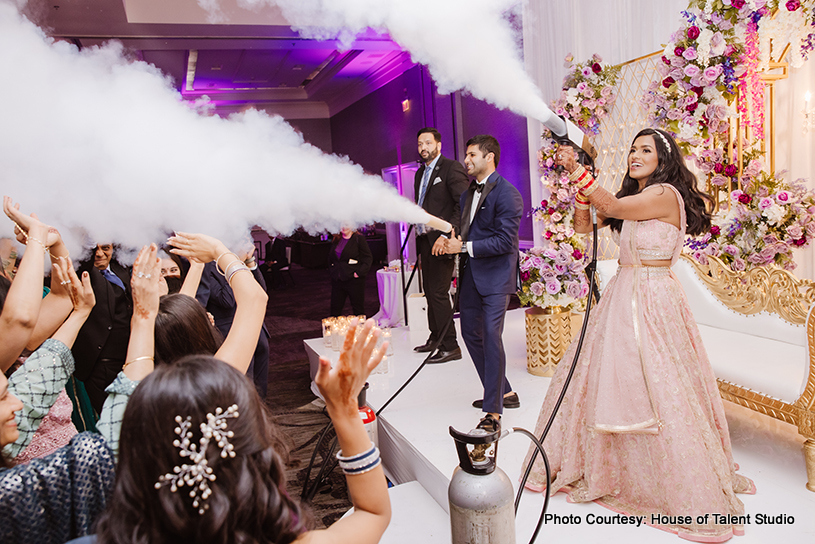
(549, 331)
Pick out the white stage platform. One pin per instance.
(416, 446)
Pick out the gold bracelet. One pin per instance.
(44, 247)
(581, 206)
(142, 358)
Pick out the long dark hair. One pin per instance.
(183, 328)
(670, 169)
(248, 501)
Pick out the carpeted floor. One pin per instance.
(293, 315)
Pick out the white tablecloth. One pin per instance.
(391, 309)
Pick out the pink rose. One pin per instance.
(792, 5)
(712, 73)
(691, 70)
(573, 289)
(537, 288)
(739, 265)
(553, 287)
(765, 203)
(731, 170)
(732, 250)
(689, 53)
(693, 32)
(587, 72)
(783, 197)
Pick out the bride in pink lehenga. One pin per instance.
(642, 428)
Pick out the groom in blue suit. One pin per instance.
(491, 211)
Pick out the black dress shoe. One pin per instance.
(424, 348)
(489, 424)
(444, 356)
(512, 401)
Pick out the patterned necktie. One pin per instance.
(113, 278)
(425, 184)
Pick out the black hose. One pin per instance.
(539, 445)
(592, 267)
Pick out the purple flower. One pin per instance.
(731, 170)
(693, 32)
(792, 5)
(553, 287)
(714, 230)
(537, 288)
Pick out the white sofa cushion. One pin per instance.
(776, 369)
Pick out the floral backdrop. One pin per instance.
(711, 72)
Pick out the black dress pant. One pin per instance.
(437, 273)
(353, 289)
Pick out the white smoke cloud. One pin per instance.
(466, 44)
(94, 142)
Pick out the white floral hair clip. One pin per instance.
(198, 474)
(664, 141)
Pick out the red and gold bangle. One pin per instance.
(580, 203)
(589, 188)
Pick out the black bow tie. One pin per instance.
(479, 187)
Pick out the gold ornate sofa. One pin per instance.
(758, 328)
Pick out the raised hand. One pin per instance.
(29, 225)
(341, 385)
(144, 282)
(198, 247)
(80, 292)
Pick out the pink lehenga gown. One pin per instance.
(642, 428)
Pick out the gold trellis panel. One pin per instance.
(618, 129)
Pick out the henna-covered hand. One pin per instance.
(341, 384)
(144, 283)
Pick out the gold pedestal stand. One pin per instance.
(549, 331)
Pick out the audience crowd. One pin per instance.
(130, 413)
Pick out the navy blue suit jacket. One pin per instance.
(494, 235)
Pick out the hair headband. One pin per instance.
(664, 141)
